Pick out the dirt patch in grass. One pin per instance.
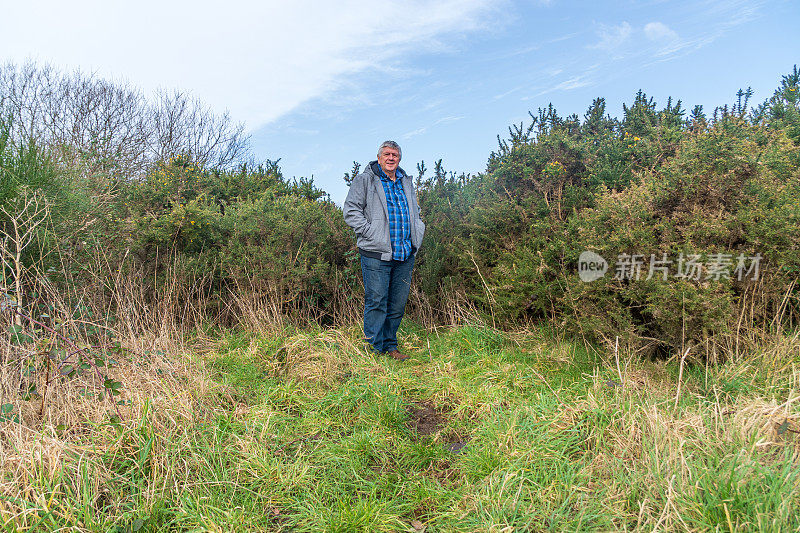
(425, 419)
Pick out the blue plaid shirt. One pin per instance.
(399, 218)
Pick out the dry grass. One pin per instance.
(217, 427)
(167, 393)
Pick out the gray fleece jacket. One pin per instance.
(365, 211)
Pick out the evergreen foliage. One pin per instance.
(655, 181)
(652, 183)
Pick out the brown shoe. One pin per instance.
(397, 356)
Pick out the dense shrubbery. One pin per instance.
(653, 183)
(247, 230)
(211, 229)
(171, 205)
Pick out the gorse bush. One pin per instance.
(728, 195)
(200, 228)
(164, 200)
(654, 186)
(244, 230)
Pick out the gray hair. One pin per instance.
(390, 144)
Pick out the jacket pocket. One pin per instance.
(371, 239)
(369, 235)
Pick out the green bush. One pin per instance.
(244, 230)
(653, 183)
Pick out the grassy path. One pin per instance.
(479, 431)
(456, 438)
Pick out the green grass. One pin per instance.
(551, 441)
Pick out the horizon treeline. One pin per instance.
(151, 211)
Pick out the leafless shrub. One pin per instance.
(182, 125)
(23, 215)
(108, 126)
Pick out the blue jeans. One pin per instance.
(386, 286)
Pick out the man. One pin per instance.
(382, 209)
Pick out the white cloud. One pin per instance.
(448, 119)
(573, 83)
(506, 93)
(260, 60)
(612, 37)
(414, 133)
(576, 82)
(443, 120)
(658, 31)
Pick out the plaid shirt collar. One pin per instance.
(399, 174)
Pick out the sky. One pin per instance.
(319, 85)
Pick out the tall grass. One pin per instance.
(301, 428)
(233, 416)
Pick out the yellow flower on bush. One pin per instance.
(554, 169)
